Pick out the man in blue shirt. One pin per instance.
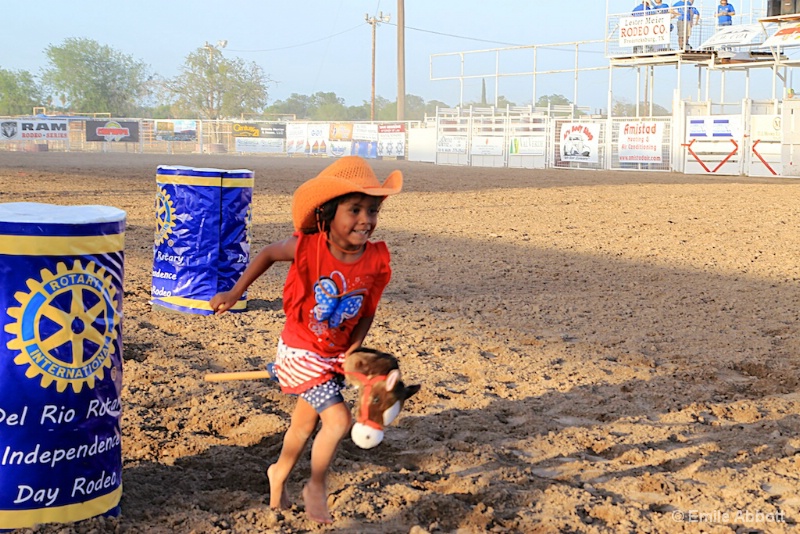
(640, 11)
(660, 8)
(724, 13)
(687, 17)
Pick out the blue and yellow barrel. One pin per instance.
(202, 238)
(61, 288)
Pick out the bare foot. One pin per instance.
(278, 499)
(316, 503)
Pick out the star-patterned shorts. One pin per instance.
(325, 395)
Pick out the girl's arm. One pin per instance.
(277, 251)
(359, 334)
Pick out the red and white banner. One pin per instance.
(640, 142)
(580, 142)
(644, 30)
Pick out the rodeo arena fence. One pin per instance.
(751, 143)
(743, 136)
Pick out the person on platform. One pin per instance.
(688, 16)
(660, 8)
(725, 12)
(640, 10)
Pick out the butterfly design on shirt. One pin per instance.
(334, 305)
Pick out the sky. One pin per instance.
(326, 45)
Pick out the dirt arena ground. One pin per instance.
(598, 352)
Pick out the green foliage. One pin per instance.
(92, 78)
(213, 87)
(552, 100)
(19, 93)
(502, 102)
(624, 108)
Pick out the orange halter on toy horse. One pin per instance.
(381, 393)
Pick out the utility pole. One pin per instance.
(374, 21)
(401, 61)
(211, 48)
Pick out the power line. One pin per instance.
(301, 44)
(460, 36)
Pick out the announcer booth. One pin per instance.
(737, 130)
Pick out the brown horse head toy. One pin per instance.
(381, 393)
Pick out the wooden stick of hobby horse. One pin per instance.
(238, 375)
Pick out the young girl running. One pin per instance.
(332, 289)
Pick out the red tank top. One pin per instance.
(324, 298)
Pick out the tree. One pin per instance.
(415, 107)
(213, 87)
(297, 105)
(552, 100)
(92, 78)
(430, 107)
(624, 108)
(19, 92)
(327, 106)
(502, 102)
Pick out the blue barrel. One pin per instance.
(61, 288)
(202, 236)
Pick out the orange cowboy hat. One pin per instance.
(348, 174)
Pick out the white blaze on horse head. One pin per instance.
(381, 394)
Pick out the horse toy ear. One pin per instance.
(392, 378)
(412, 390)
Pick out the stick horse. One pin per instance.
(381, 391)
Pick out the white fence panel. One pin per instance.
(527, 139)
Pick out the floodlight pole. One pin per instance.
(374, 21)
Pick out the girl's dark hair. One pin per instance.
(324, 214)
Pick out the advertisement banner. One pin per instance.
(341, 131)
(579, 142)
(789, 35)
(527, 146)
(317, 141)
(741, 35)
(258, 145)
(718, 127)
(176, 130)
(391, 140)
(269, 131)
(765, 128)
(365, 132)
(273, 130)
(297, 139)
(33, 129)
(640, 142)
(391, 128)
(452, 144)
(486, 146)
(240, 129)
(125, 131)
(644, 30)
(365, 149)
(338, 149)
